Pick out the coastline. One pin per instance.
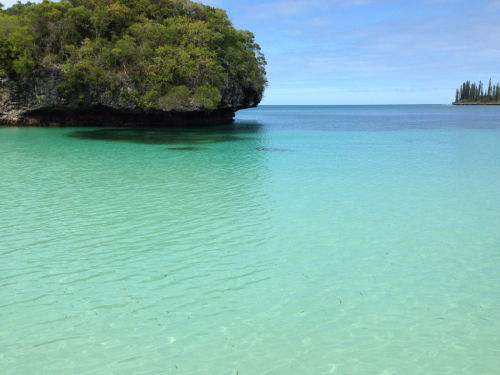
(455, 103)
(100, 116)
(36, 101)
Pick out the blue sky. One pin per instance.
(370, 51)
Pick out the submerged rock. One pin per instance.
(35, 100)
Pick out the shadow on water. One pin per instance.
(184, 148)
(173, 136)
(268, 149)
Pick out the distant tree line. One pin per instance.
(472, 92)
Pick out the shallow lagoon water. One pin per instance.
(299, 240)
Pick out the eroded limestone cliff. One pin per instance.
(35, 100)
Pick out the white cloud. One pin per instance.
(289, 8)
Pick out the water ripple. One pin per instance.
(372, 248)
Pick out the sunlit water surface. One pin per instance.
(300, 240)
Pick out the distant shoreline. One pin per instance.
(455, 103)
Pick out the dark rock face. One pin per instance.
(35, 100)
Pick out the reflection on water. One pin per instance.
(166, 136)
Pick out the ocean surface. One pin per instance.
(298, 240)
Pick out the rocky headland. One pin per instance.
(125, 63)
(35, 100)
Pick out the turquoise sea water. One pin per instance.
(299, 240)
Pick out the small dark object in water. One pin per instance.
(274, 149)
(183, 148)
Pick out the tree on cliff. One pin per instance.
(174, 51)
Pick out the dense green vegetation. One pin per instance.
(173, 50)
(468, 93)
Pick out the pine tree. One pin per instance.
(475, 92)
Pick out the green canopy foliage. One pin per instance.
(174, 50)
